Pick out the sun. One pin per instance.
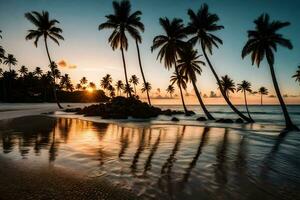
(90, 90)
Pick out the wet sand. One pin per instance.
(45, 182)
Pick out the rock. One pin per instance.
(228, 121)
(175, 119)
(239, 121)
(201, 119)
(171, 112)
(222, 120)
(72, 110)
(189, 113)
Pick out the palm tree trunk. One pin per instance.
(245, 97)
(142, 72)
(221, 89)
(208, 115)
(182, 99)
(125, 71)
(261, 96)
(54, 87)
(134, 89)
(288, 122)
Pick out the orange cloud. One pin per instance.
(63, 63)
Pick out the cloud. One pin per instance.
(65, 64)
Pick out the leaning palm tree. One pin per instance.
(10, 60)
(169, 44)
(146, 87)
(170, 89)
(262, 91)
(2, 51)
(262, 42)
(297, 75)
(122, 21)
(245, 87)
(201, 27)
(23, 70)
(120, 86)
(38, 71)
(227, 85)
(45, 28)
(134, 80)
(181, 80)
(189, 65)
(106, 81)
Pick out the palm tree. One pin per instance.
(83, 82)
(111, 90)
(44, 28)
(227, 85)
(92, 85)
(121, 22)
(64, 81)
(134, 80)
(23, 71)
(189, 65)
(106, 81)
(120, 86)
(10, 60)
(170, 44)
(297, 75)
(2, 51)
(170, 89)
(181, 80)
(78, 86)
(245, 87)
(38, 71)
(202, 25)
(262, 42)
(146, 87)
(128, 89)
(262, 91)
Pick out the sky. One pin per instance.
(87, 52)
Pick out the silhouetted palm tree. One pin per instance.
(297, 75)
(38, 71)
(170, 89)
(44, 28)
(65, 81)
(128, 89)
(78, 86)
(10, 60)
(23, 71)
(245, 87)
(83, 82)
(262, 91)
(202, 25)
(111, 90)
(92, 85)
(122, 21)
(262, 42)
(227, 85)
(180, 80)
(170, 44)
(2, 53)
(106, 81)
(189, 65)
(120, 86)
(146, 87)
(134, 80)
